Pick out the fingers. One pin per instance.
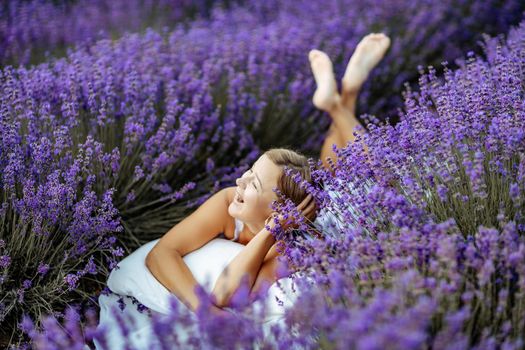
(309, 212)
(307, 207)
(270, 218)
(305, 202)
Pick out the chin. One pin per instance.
(233, 213)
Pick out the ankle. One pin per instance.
(336, 106)
(349, 101)
(340, 110)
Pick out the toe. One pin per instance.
(313, 54)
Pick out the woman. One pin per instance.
(241, 213)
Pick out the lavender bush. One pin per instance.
(62, 187)
(426, 247)
(29, 30)
(423, 241)
(58, 218)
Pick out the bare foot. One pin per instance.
(326, 96)
(367, 55)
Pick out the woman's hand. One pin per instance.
(217, 311)
(306, 209)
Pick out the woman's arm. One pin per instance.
(170, 270)
(268, 274)
(165, 259)
(247, 262)
(255, 260)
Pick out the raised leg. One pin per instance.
(325, 97)
(368, 53)
(342, 108)
(340, 132)
(332, 138)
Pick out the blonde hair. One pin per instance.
(298, 163)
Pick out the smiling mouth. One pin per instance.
(238, 198)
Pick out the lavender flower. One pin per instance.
(43, 269)
(5, 261)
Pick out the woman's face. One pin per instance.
(254, 197)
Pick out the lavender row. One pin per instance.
(430, 31)
(89, 153)
(29, 30)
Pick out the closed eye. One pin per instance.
(251, 171)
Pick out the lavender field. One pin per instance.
(119, 118)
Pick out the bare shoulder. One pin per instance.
(229, 192)
(205, 223)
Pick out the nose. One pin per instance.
(240, 182)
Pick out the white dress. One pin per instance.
(132, 283)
